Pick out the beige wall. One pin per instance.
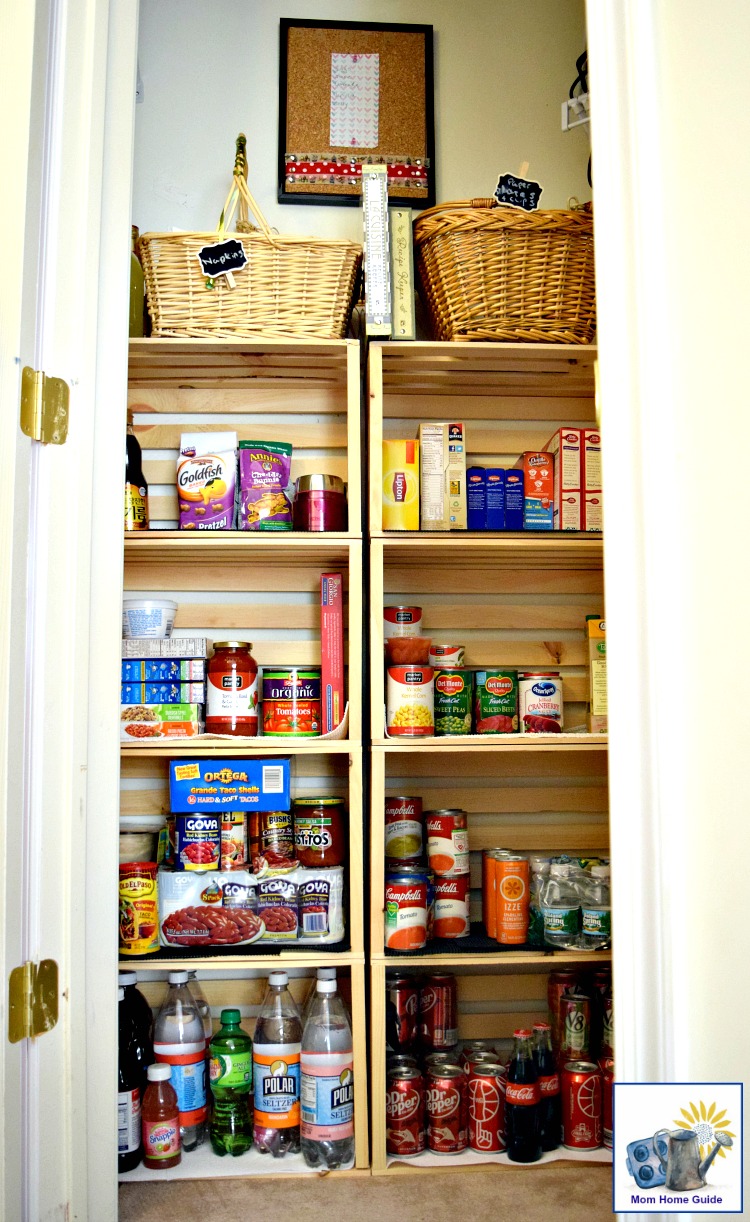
(210, 69)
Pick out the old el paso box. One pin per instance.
(237, 784)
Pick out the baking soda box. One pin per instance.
(566, 446)
(538, 489)
(591, 480)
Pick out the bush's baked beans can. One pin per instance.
(438, 1013)
(581, 1090)
(512, 899)
(402, 621)
(402, 1012)
(405, 910)
(446, 1109)
(271, 846)
(447, 842)
(540, 702)
(452, 898)
(139, 908)
(403, 828)
(446, 657)
(404, 1113)
(410, 701)
(486, 1098)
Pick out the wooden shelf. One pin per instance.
(545, 549)
(314, 957)
(221, 363)
(512, 961)
(178, 748)
(236, 546)
(509, 742)
(203, 1164)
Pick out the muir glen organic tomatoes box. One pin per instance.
(238, 784)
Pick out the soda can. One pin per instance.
(558, 983)
(489, 903)
(438, 1013)
(401, 1012)
(607, 1044)
(440, 1058)
(473, 1048)
(581, 1090)
(400, 1060)
(446, 1109)
(512, 899)
(607, 1066)
(575, 1026)
(486, 1097)
(404, 1113)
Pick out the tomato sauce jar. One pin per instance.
(291, 702)
(319, 503)
(232, 690)
(320, 831)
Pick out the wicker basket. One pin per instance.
(493, 272)
(291, 287)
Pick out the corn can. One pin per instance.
(410, 701)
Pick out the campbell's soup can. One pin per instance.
(410, 701)
(139, 908)
(607, 1067)
(403, 828)
(511, 899)
(446, 657)
(446, 1109)
(404, 1112)
(581, 1091)
(402, 621)
(438, 1013)
(401, 1012)
(447, 842)
(452, 898)
(406, 910)
(486, 1097)
(540, 702)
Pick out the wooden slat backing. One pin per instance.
(250, 400)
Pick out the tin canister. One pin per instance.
(581, 1096)
(447, 842)
(402, 621)
(540, 702)
(139, 908)
(234, 840)
(405, 910)
(489, 887)
(446, 657)
(410, 701)
(404, 828)
(496, 702)
(291, 702)
(575, 1025)
(454, 694)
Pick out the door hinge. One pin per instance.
(32, 1000)
(44, 407)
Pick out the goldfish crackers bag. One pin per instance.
(265, 469)
(207, 481)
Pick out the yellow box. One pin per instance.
(400, 485)
(596, 634)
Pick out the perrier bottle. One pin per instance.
(136, 488)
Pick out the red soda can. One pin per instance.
(401, 1060)
(404, 1113)
(486, 1094)
(575, 1027)
(446, 1109)
(607, 1066)
(557, 984)
(402, 1008)
(581, 1090)
(470, 1048)
(438, 1013)
(440, 1058)
(607, 1044)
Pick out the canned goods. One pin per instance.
(607, 1044)
(575, 1025)
(404, 1112)
(406, 910)
(446, 1109)
(607, 1067)
(540, 702)
(410, 701)
(486, 1099)
(270, 836)
(438, 1013)
(401, 621)
(447, 842)
(581, 1089)
(489, 901)
(441, 1058)
(139, 908)
(454, 690)
(319, 832)
(197, 842)
(473, 1048)
(511, 899)
(234, 840)
(401, 1012)
(452, 898)
(400, 1060)
(558, 983)
(446, 656)
(403, 828)
(496, 702)
(291, 702)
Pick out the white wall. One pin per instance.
(502, 69)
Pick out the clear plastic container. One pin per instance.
(561, 905)
(180, 1041)
(596, 913)
(276, 1070)
(327, 1082)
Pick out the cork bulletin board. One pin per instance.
(353, 94)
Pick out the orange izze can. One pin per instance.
(512, 899)
(489, 903)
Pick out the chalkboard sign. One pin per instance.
(222, 258)
(519, 192)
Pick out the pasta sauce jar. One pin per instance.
(232, 690)
(319, 831)
(291, 702)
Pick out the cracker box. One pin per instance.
(163, 670)
(596, 638)
(566, 447)
(593, 518)
(495, 515)
(442, 447)
(140, 724)
(538, 490)
(332, 650)
(163, 692)
(147, 647)
(234, 784)
(514, 500)
(400, 494)
(476, 498)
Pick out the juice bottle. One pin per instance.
(160, 1118)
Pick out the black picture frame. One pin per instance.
(349, 195)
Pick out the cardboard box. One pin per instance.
(141, 724)
(566, 445)
(165, 647)
(400, 493)
(163, 692)
(476, 498)
(495, 517)
(442, 448)
(514, 484)
(332, 650)
(538, 489)
(596, 635)
(593, 516)
(163, 670)
(234, 784)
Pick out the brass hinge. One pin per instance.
(32, 1000)
(44, 407)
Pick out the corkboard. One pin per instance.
(314, 170)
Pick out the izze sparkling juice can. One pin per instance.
(446, 1109)
(581, 1089)
(512, 900)
(404, 1113)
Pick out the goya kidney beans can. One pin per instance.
(581, 1090)
(410, 701)
(401, 621)
(405, 910)
(452, 907)
(446, 1109)
(486, 1097)
(403, 828)
(438, 1013)
(540, 702)
(496, 702)
(197, 842)
(291, 702)
(454, 691)
(402, 1011)
(404, 1112)
(447, 842)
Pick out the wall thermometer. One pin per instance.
(377, 260)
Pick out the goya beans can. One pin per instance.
(197, 842)
(446, 1109)
(139, 908)
(291, 702)
(446, 657)
(234, 840)
(404, 1112)
(402, 1012)
(574, 1018)
(581, 1090)
(454, 690)
(410, 701)
(438, 1013)
(319, 831)
(540, 702)
(486, 1098)
(404, 826)
(512, 899)
(452, 897)
(401, 621)
(405, 910)
(496, 702)
(447, 842)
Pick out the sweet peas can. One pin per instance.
(454, 689)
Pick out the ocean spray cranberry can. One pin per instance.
(607, 1066)
(402, 1010)
(404, 1113)
(446, 1109)
(581, 1090)
(486, 1096)
(438, 1013)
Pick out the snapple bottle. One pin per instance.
(232, 690)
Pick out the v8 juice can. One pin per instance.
(496, 702)
(454, 690)
(291, 702)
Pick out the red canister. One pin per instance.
(319, 503)
(581, 1090)
(402, 1011)
(486, 1090)
(557, 984)
(232, 690)
(404, 1113)
(438, 1013)
(452, 897)
(446, 1109)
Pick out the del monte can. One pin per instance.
(454, 688)
(496, 702)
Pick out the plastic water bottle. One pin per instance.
(323, 973)
(276, 1055)
(327, 1082)
(596, 913)
(561, 905)
(180, 1041)
(231, 1128)
(539, 867)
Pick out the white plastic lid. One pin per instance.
(326, 986)
(326, 973)
(126, 978)
(178, 977)
(159, 1073)
(120, 994)
(278, 978)
(166, 603)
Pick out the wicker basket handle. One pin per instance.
(241, 195)
(484, 203)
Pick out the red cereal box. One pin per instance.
(332, 650)
(566, 446)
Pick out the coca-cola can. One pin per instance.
(438, 1013)
(486, 1094)
(607, 1066)
(473, 1048)
(404, 1113)
(402, 1011)
(446, 1109)
(575, 1026)
(581, 1090)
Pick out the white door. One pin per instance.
(68, 77)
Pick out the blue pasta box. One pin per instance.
(514, 500)
(495, 511)
(163, 693)
(234, 784)
(476, 498)
(163, 670)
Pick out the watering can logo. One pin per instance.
(689, 1154)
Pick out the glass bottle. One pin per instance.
(550, 1113)
(136, 488)
(231, 1077)
(232, 690)
(522, 1137)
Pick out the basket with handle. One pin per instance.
(489, 271)
(291, 287)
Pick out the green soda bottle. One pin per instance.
(231, 1077)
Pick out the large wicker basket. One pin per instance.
(492, 272)
(292, 287)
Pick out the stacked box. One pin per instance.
(596, 634)
(514, 499)
(538, 489)
(234, 784)
(332, 650)
(495, 519)
(476, 498)
(140, 647)
(163, 670)
(566, 445)
(593, 514)
(442, 452)
(163, 693)
(141, 724)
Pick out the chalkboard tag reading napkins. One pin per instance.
(223, 258)
(520, 192)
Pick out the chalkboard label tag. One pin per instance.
(222, 258)
(520, 192)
